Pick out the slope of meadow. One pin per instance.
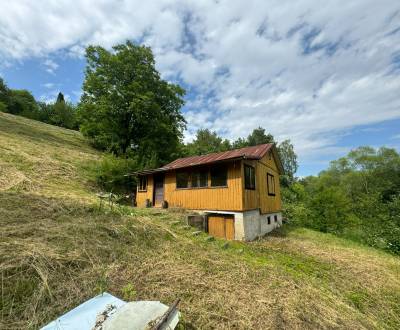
(58, 249)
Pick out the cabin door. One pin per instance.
(158, 190)
(222, 226)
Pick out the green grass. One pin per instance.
(58, 249)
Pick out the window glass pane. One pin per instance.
(219, 176)
(182, 179)
(249, 177)
(200, 178)
(142, 183)
(271, 184)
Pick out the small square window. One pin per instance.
(219, 176)
(276, 218)
(142, 183)
(182, 179)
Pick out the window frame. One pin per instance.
(225, 168)
(197, 173)
(140, 185)
(252, 169)
(188, 186)
(271, 190)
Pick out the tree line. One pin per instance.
(357, 197)
(22, 103)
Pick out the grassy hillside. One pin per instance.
(58, 249)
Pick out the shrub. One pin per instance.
(112, 174)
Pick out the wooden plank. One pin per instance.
(216, 226)
(229, 227)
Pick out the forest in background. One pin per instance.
(128, 111)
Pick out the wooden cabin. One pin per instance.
(238, 190)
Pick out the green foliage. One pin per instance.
(289, 161)
(126, 106)
(3, 107)
(356, 197)
(206, 142)
(258, 136)
(63, 113)
(128, 292)
(22, 102)
(111, 173)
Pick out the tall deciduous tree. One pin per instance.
(289, 161)
(206, 142)
(126, 106)
(258, 136)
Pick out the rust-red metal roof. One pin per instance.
(254, 152)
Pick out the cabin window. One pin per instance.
(269, 220)
(219, 176)
(143, 183)
(249, 177)
(271, 184)
(199, 178)
(276, 218)
(182, 179)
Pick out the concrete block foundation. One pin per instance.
(249, 225)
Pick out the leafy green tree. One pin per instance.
(63, 113)
(4, 93)
(22, 102)
(206, 142)
(126, 106)
(3, 107)
(289, 161)
(258, 136)
(356, 197)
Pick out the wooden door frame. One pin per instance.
(160, 175)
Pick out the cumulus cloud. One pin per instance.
(50, 65)
(303, 70)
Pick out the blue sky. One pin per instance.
(328, 77)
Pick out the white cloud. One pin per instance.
(50, 65)
(303, 70)
(48, 85)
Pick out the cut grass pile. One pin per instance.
(58, 249)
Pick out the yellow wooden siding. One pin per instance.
(231, 198)
(268, 204)
(259, 197)
(224, 199)
(141, 196)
